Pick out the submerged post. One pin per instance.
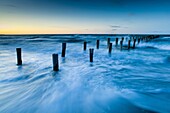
(85, 46)
(134, 42)
(91, 54)
(19, 57)
(63, 49)
(110, 47)
(97, 44)
(55, 62)
(129, 44)
(116, 42)
(121, 44)
(108, 42)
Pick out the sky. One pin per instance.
(84, 16)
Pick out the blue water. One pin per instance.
(135, 81)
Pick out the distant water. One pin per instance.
(135, 81)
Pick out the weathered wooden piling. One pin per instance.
(19, 56)
(55, 62)
(122, 39)
(108, 42)
(133, 38)
(63, 49)
(138, 40)
(97, 44)
(121, 44)
(91, 54)
(129, 44)
(85, 46)
(110, 47)
(116, 42)
(134, 42)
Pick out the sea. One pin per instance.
(123, 81)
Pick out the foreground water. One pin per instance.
(135, 81)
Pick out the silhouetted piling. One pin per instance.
(85, 46)
(122, 39)
(134, 42)
(63, 49)
(116, 42)
(138, 40)
(121, 44)
(133, 38)
(19, 56)
(55, 62)
(91, 54)
(129, 44)
(97, 44)
(110, 47)
(108, 42)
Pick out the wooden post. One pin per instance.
(138, 40)
(133, 37)
(116, 42)
(63, 49)
(108, 42)
(122, 39)
(97, 44)
(134, 42)
(91, 54)
(85, 46)
(55, 62)
(121, 44)
(129, 44)
(19, 56)
(110, 47)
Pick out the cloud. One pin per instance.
(115, 26)
(8, 5)
(114, 29)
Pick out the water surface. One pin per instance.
(122, 82)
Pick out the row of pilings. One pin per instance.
(118, 45)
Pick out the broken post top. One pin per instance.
(91, 50)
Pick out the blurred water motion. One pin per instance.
(135, 81)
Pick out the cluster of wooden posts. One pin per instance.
(91, 50)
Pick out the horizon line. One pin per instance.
(88, 34)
